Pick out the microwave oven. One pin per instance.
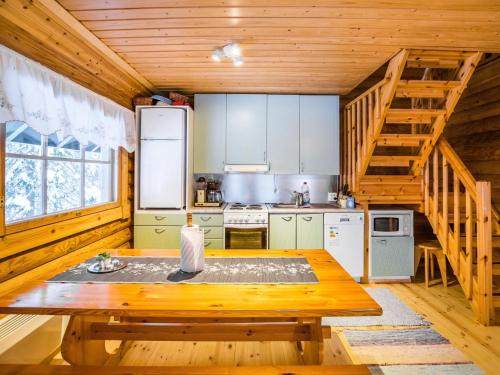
(391, 223)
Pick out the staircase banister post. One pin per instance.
(484, 252)
(388, 90)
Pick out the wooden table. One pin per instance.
(194, 312)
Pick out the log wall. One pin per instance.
(474, 128)
(21, 255)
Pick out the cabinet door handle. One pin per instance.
(205, 219)
(383, 242)
(286, 218)
(264, 156)
(206, 231)
(159, 231)
(208, 243)
(308, 218)
(302, 166)
(160, 218)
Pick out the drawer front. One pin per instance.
(214, 243)
(310, 231)
(162, 219)
(213, 232)
(157, 237)
(208, 220)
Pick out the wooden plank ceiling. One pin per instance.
(321, 46)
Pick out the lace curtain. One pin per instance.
(51, 103)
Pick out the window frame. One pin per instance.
(119, 168)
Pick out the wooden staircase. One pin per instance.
(391, 129)
(389, 133)
(467, 225)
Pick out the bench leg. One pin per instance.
(76, 346)
(313, 348)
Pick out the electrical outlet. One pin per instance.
(332, 197)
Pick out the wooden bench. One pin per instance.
(182, 370)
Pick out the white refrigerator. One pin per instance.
(162, 154)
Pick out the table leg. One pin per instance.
(313, 348)
(78, 349)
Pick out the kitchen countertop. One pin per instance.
(311, 210)
(319, 209)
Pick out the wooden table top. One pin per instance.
(337, 294)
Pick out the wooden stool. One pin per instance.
(433, 249)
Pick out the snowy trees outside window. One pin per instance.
(45, 175)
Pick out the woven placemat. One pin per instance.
(218, 270)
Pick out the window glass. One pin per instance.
(68, 147)
(46, 175)
(20, 139)
(97, 183)
(23, 188)
(63, 186)
(93, 152)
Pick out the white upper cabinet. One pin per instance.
(209, 133)
(283, 134)
(319, 134)
(246, 129)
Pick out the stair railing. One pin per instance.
(363, 121)
(360, 116)
(460, 212)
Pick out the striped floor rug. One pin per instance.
(403, 349)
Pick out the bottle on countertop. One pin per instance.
(305, 194)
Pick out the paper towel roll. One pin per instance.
(192, 249)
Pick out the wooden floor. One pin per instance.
(447, 309)
(452, 317)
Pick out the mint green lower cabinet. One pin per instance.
(310, 231)
(282, 231)
(211, 243)
(157, 237)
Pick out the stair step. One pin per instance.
(390, 185)
(433, 62)
(392, 161)
(412, 116)
(402, 140)
(424, 88)
(438, 54)
(390, 180)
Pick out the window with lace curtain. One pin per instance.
(45, 175)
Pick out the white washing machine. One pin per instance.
(343, 239)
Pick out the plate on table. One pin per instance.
(96, 267)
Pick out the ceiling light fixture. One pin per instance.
(237, 61)
(217, 55)
(230, 51)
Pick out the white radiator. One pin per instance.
(29, 338)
